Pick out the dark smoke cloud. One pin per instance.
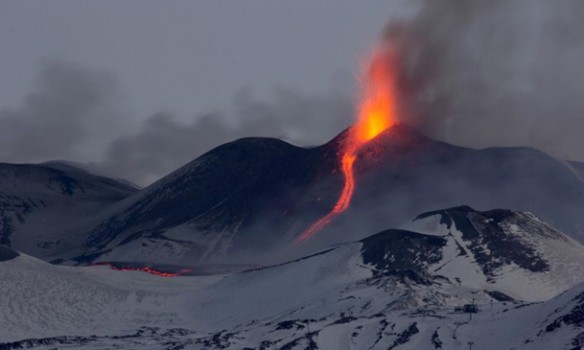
(75, 113)
(71, 110)
(165, 143)
(497, 73)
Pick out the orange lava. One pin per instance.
(342, 203)
(145, 269)
(376, 113)
(377, 108)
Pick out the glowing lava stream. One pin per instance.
(377, 112)
(146, 269)
(342, 203)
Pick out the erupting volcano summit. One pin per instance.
(376, 113)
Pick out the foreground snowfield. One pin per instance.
(394, 290)
(355, 315)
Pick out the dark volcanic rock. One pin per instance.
(574, 318)
(402, 253)
(490, 239)
(232, 185)
(7, 253)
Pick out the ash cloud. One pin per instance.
(70, 112)
(165, 143)
(76, 113)
(497, 73)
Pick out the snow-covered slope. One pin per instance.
(199, 210)
(397, 289)
(506, 248)
(256, 194)
(43, 300)
(46, 210)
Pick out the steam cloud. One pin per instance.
(497, 73)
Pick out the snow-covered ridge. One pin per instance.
(396, 289)
(505, 250)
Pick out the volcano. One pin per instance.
(377, 113)
(204, 258)
(258, 194)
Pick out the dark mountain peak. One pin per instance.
(236, 156)
(64, 166)
(461, 215)
(494, 241)
(240, 184)
(402, 253)
(229, 185)
(18, 179)
(86, 170)
(252, 152)
(390, 239)
(499, 237)
(399, 134)
(253, 146)
(404, 131)
(462, 209)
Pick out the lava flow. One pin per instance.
(147, 269)
(376, 113)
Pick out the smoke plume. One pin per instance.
(496, 73)
(165, 143)
(76, 113)
(71, 112)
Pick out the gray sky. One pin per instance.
(129, 61)
(189, 56)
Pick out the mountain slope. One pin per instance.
(45, 210)
(507, 248)
(257, 194)
(247, 185)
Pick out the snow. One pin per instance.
(325, 299)
(331, 299)
(41, 300)
(562, 253)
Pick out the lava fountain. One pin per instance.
(376, 112)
